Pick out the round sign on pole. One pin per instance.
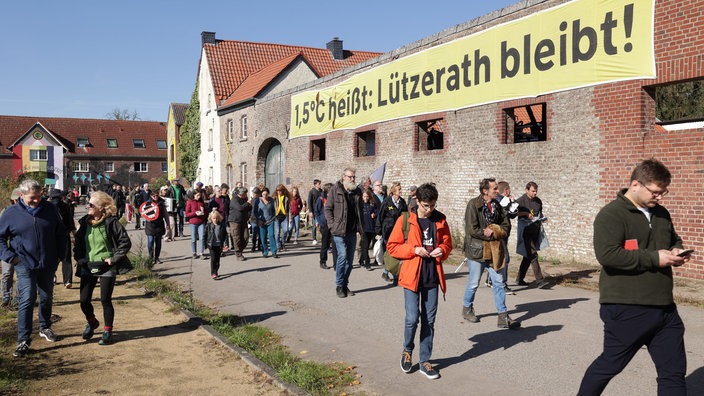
(149, 211)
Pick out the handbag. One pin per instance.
(392, 264)
(378, 251)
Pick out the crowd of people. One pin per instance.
(635, 243)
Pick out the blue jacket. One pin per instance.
(38, 240)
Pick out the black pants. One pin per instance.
(626, 329)
(325, 243)
(367, 239)
(215, 253)
(107, 285)
(531, 234)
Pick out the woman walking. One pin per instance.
(195, 213)
(296, 206)
(101, 250)
(266, 219)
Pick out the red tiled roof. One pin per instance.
(257, 81)
(231, 62)
(96, 130)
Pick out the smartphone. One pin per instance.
(686, 253)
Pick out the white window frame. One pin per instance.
(210, 140)
(164, 167)
(243, 127)
(230, 130)
(110, 167)
(164, 144)
(243, 173)
(80, 166)
(38, 155)
(107, 143)
(230, 174)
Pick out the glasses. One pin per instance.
(655, 194)
(90, 205)
(427, 206)
(350, 177)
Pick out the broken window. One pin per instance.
(431, 134)
(526, 123)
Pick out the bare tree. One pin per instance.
(122, 114)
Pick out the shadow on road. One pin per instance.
(695, 381)
(536, 308)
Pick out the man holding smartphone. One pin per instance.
(637, 246)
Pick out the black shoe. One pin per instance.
(385, 276)
(48, 334)
(341, 292)
(521, 282)
(348, 291)
(90, 330)
(22, 349)
(406, 362)
(323, 266)
(106, 338)
(276, 255)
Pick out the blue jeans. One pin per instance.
(270, 243)
(293, 227)
(280, 230)
(475, 273)
(154, 246)
(314, 224)
(180, 211)
(345, 245)
(197, 231)
(423, 306)
(28, 282)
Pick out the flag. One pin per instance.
(378, 174)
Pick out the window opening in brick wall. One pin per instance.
(112, 143)
(431, 134)
(172, 151)
(140, 167)
(138, 143)
(366, 143)
(243, 173)
(526, 123)
(680, 102)
(317, 150)
(164, 167)
(230, 130)
(80, 166)
(109, 167)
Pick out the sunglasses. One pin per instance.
(90, 205)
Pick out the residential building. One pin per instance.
(176, 118)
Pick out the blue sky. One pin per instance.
(83, 59)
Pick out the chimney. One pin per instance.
(335, 48)
(207, 37)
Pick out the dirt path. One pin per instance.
(157, 351)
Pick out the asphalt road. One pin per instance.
(560, 336)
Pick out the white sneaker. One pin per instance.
(314, 242)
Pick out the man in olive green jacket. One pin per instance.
(637, 246)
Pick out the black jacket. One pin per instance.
(209, 235)
(119, 241)
(388, 213)
(240, 210)
(157, 227)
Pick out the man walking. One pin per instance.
(529, 241)
(313, 196)
(240, 211)
(637, 246)
(33, 239)
(485, 227)
(343, 212)
(178, 193)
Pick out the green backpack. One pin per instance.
(391, 264)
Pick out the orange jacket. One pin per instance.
(409, 276)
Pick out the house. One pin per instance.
(175, 119)
(232, 75)
(68, 152)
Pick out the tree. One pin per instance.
(681, 101)
(189, 141)
(122, 114)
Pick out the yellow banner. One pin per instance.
(577, 44)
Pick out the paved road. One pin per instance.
(561, 331)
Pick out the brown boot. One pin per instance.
(505, 322)
(468, 314)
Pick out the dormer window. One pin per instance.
(82, 142)
(161, 144)
(138, 143)
(112, 143)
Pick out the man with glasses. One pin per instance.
(636, 244)
(343, 212)
(33, 239)
(530, 238)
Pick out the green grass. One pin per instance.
(13, 374)
(264, 344)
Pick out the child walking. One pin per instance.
(215, 237)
